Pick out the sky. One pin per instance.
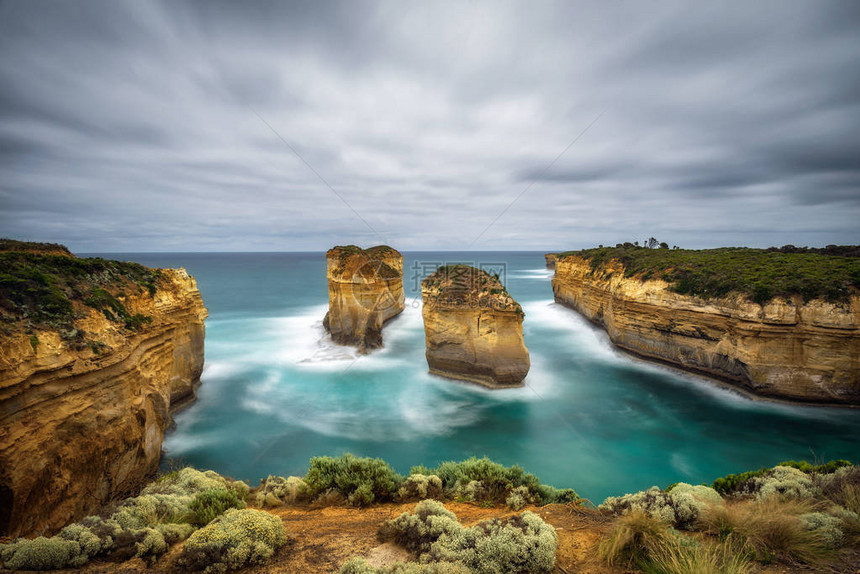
(469, 125)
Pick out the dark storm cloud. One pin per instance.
(136, 125)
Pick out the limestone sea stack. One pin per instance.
(781, 347)
(550, 260)
(94, 357)
(473, 328)
(365, 289)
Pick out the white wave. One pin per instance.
(543, 274)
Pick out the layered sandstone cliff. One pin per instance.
(84, 406)
(785, 348)
(473, 328)
(365, 289)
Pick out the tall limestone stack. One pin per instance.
(473, 328)
(550, 260)
(365, 289)
(786, 348)
(94, 354)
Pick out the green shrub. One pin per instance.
(781, 481)
(680, 507)
(143, 526)
(480, 479)
(277, 491)
(42, 554)
(235, 539)
(360, 480)
(207, 505)
(420, 486)
(522, 543)
(828, 526)
(731, 483)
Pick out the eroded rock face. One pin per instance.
(550, 260)
(82, 425)
(785, 349)
(365, 289)
(473, 328)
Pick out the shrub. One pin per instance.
(361, 480)
(519, 497)
(277, 491)
(480, 479)
(828, 526)
(680, 507)
(420, 486)
(142, 526)
(235, 539)
(207, 505)
(42, 554)
(781, 481)
(732, 482)
(522, 543)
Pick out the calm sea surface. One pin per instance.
(275, 391)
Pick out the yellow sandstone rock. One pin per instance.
(82, 425)
(365, 289)
(473, 328)
(785, 349)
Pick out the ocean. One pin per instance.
(276, 392)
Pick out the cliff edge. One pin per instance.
(473, 328)
(782, 346)
(94, 354)
(365, 289)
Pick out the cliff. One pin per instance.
(365, 289)
(550, 260)
(779, 347)
(473, 328)
(94, 354)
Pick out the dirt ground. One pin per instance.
(322, 539)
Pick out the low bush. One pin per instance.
(522, 543)
(730, 483)
(235, 539)
(143, 526)
(277, 491)
(207, 505)
(360, 480)
(42, 554)
(679, 507)
(480, 479)
(780, 482)
(420, 486)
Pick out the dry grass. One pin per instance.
(633, 539)
(653, 547)
(704, 558)
(768, 529)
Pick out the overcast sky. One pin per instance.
(147, 126)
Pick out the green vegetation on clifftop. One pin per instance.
(760, 274)
(40, 290)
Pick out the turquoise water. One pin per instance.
(275, 392)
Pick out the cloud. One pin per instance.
(130, 126)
